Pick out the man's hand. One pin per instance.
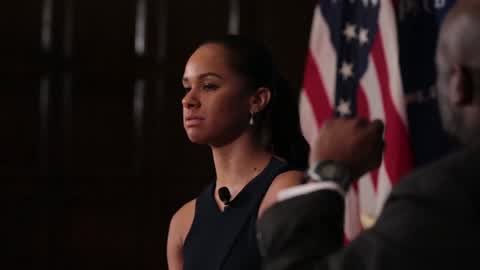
(356, 143)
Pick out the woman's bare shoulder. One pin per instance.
(282, 181)
(179, 227)
(182, 220)
(287, 179)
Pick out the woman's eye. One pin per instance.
(210, 86)
(187, 89)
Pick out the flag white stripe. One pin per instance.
(352, 223)
(367, 196)
(371, 88)
(384, 186)
(324, 54)
(308, 122)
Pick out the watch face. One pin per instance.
(329, 171)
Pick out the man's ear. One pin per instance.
(260, 99)
(460, 88)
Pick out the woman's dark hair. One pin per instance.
(277, 125)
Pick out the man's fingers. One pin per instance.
(377, 126)
(361, 122)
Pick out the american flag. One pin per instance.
(352, 69)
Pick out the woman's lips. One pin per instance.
(193, 121)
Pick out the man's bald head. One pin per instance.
(458, 71)
(460, 33)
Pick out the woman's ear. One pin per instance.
(461, 86)
(260, 99)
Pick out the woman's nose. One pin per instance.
(190, 100)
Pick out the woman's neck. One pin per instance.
(239, 162)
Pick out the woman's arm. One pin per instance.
(179, 227)
(282, 181)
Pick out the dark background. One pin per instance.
(93, 156)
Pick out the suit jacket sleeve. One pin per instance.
(422, 226)
(302, 229)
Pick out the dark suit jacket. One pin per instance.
(429, 221)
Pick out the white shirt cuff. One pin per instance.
(309, 188)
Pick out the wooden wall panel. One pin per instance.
(103, 35)
(23, 182)
(20, 28)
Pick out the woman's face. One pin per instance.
(216, 106)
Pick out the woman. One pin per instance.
(237, 104)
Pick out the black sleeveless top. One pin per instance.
(227, 240)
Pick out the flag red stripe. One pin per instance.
(315, 91)
(398, 153)
(374, 175)
(362, 104)
(363, 110)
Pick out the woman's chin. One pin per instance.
(197, 138)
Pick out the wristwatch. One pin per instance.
(330, 170)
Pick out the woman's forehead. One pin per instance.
(211, 50)
(209, 58)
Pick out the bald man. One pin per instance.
(431, 220)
